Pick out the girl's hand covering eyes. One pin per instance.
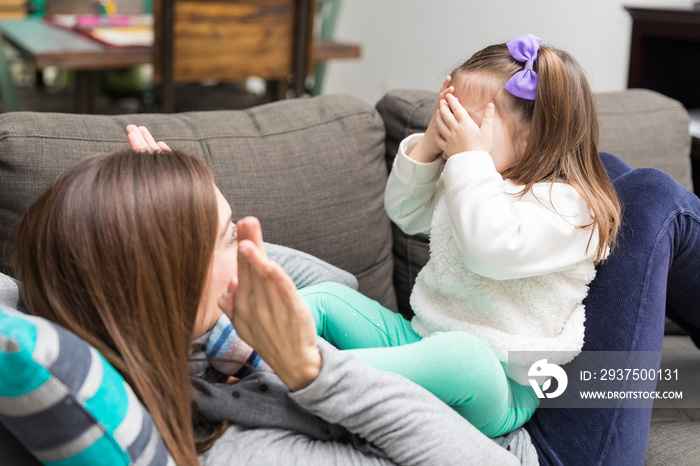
(457, 130)
(427, 150)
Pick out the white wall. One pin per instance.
(415, 43)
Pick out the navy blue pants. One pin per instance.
(653, 272)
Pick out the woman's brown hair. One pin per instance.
(561, 126)
(118, 250)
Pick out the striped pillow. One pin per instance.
(65, 403)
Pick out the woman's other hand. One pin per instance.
(269, 314)
(141, 140)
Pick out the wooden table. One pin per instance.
(46, 45)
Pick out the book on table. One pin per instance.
(117, 30)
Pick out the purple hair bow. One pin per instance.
(523, 84)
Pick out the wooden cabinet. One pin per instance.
(665, 57)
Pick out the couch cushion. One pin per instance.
(312, 170)
(405, 112)
(51, 378)
(646, 129)
(673, 443)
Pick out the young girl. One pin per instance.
(508, 182)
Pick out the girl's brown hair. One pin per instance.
(560, 125)
(118, 250)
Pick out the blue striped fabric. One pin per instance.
(64, 402)
(229, 351)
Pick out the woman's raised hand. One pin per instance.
(141, 140)
(269, 314)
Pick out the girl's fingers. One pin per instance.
(444, 90)
(456, 108)
(443, 95)
(445, 118)
(443, 131)
(440, 142)
(445, 84)
(449, 90)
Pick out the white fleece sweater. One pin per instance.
(510, 269)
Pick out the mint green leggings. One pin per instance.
(457, 367)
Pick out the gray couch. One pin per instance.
(313, 171)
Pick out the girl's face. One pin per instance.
(503, 152)
(224, 268)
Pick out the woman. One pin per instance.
(136, 253)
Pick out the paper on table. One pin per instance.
(124, 36)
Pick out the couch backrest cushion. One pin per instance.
(312, 170)
(646, 129)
